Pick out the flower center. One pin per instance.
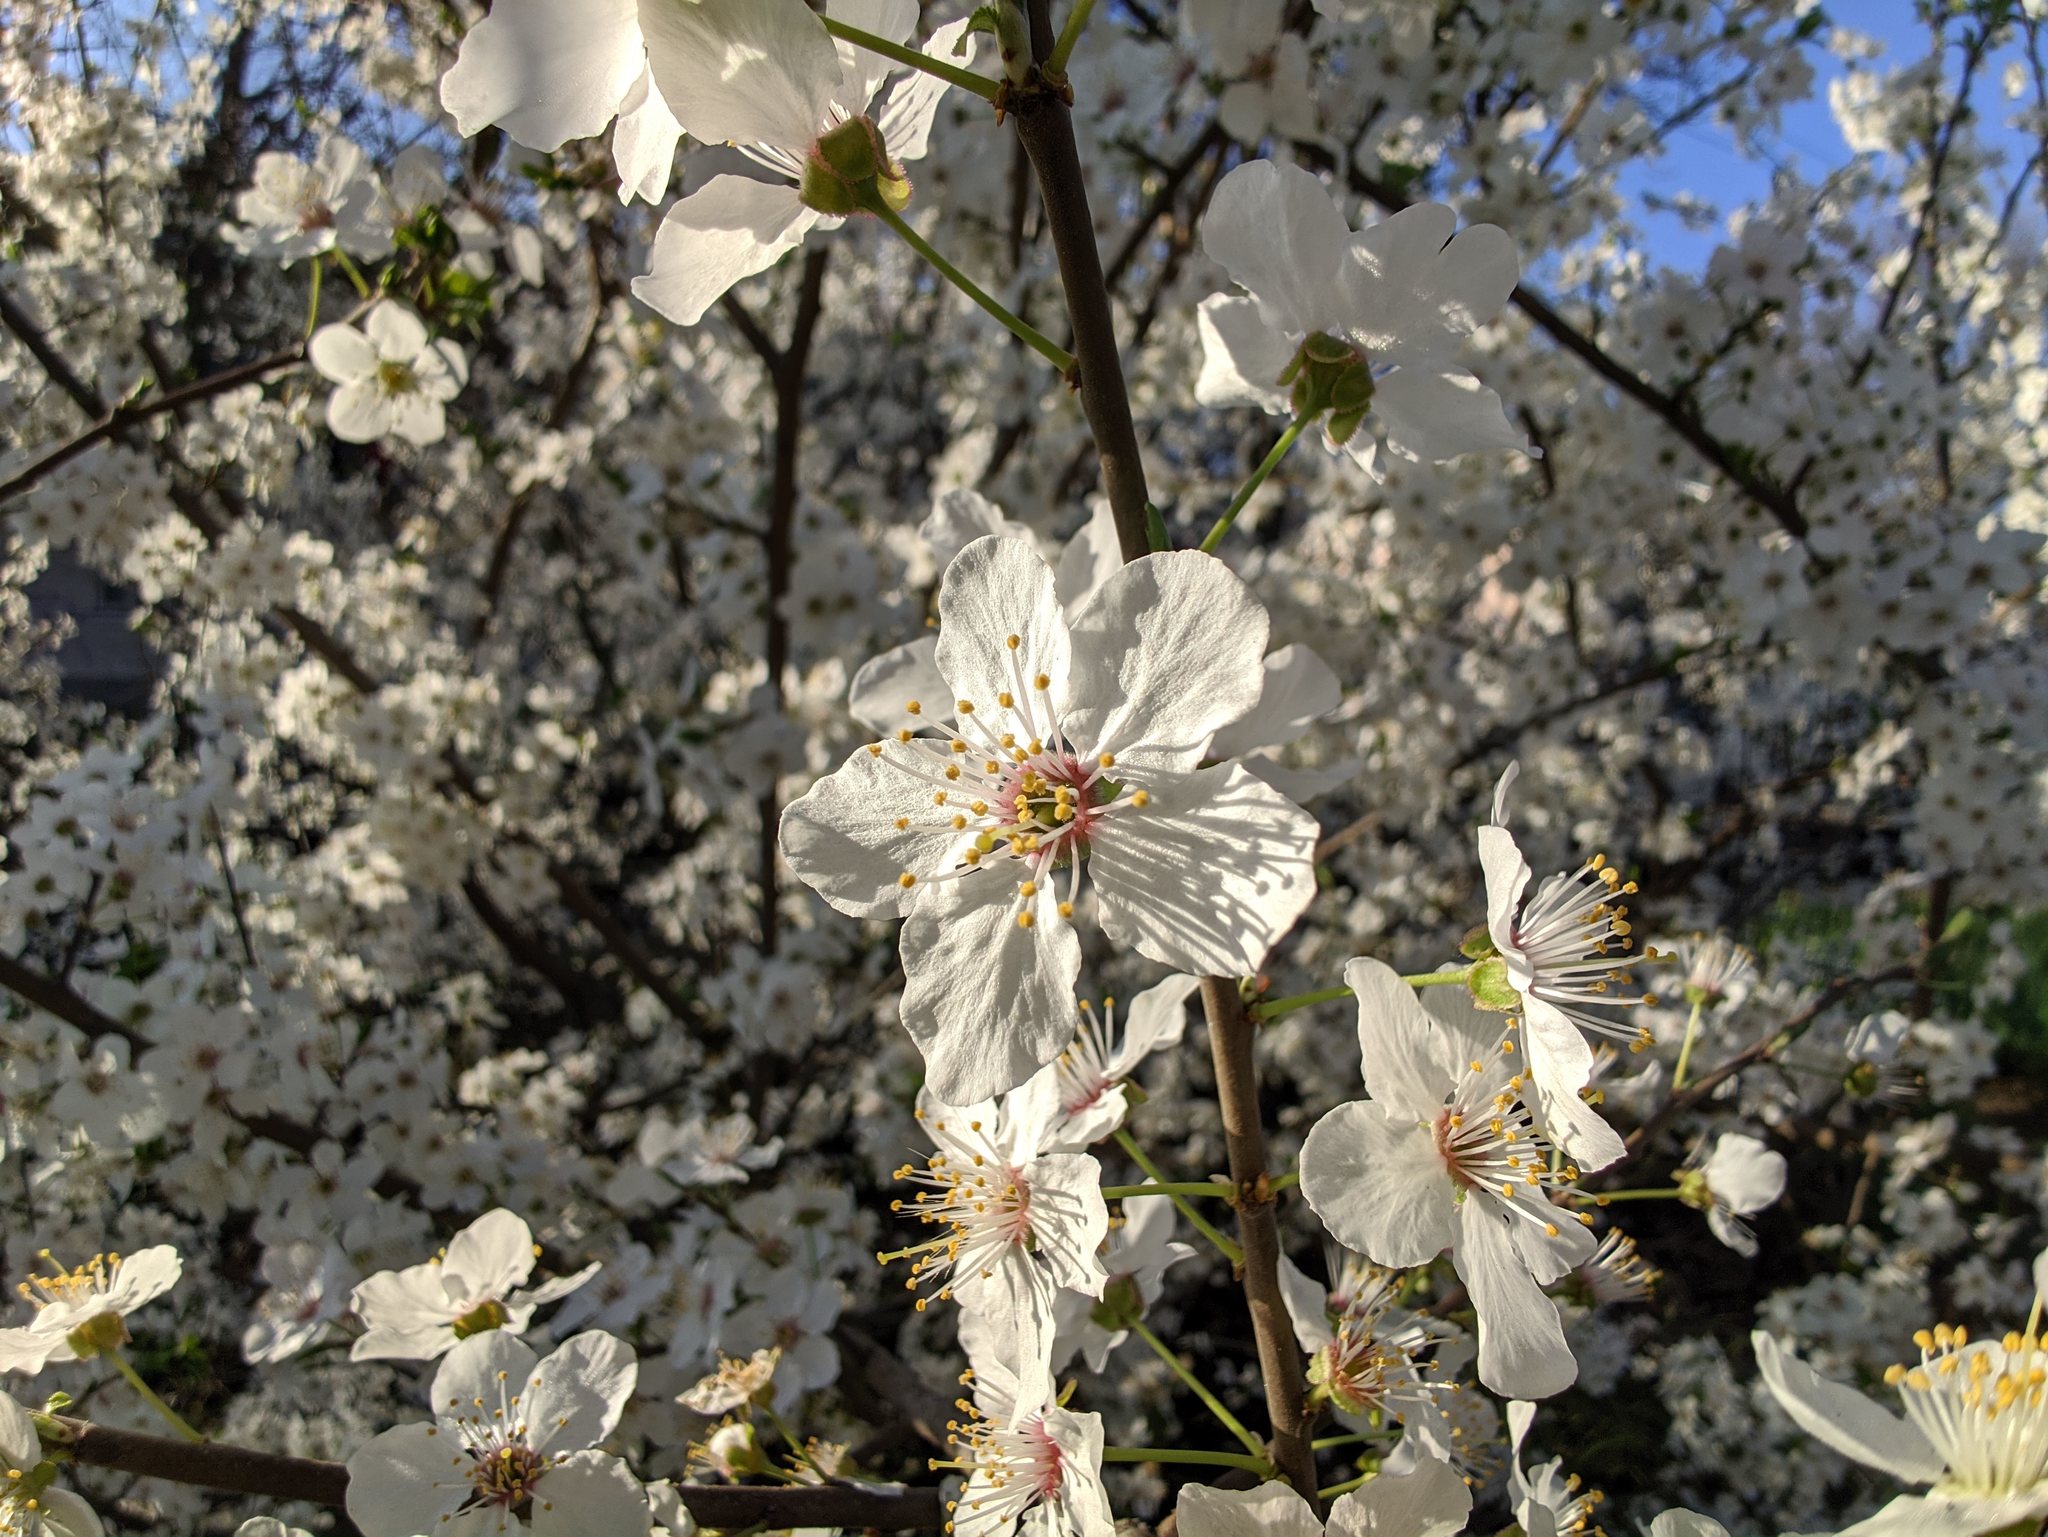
(396, 378)
(506, 1477)
(74, 1287)
(485, 1316)
(982, 1201)
(1571, 947)
(1983, 1406)
(1085, 1067)
(1008, 1471)
(1490, 1146)
(314, 216)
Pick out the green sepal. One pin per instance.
(1156, 537)
(1477, 945)
(1490, 988)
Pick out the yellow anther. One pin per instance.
(1141, 799)
(1107, 760)
(1041, 682)
(906, 880)
(964, 706)
(1025, 920)
(1014, 642)
(913, 708)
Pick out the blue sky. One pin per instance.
(1703, 159)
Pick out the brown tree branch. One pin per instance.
(1045, 124)
(241, 1470)
(1244, 1134)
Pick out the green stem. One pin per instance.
(171, 1416)
(1326, 1442)
(1070, 34)
(1692, 1026)
(1286, 1181)
(1036, 340)
(1346, 1487)
(1258, 1465)
(1605, 1197)
(1273, 1008)
(1439, 978)
(1224, 1246)
(1178, 1187)
(1230, 1422)
(1244, 492)
(355, 274)
(952, 74)
(313, 301)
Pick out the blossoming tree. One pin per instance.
(702, 587)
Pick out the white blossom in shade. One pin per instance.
(1403, 295)
(1548, 1502)
(509, 1449)
(269, 1526)
(31, 1504)
(1299, 690)
(1016, 1224)
(293, 209)
(1565, 948)
(1139, 1252)
(1686, 1523)
(546, 73)
(1975, 1432)
(766, 77)
(702, 1150)
(1371, 1359)
(1264, 61)
(1616, 1272)
(1066, 747)
(1427, 1500)
(307, 1290)
(1717, 969)
(474, 1286)
(391, 379)
(1092, 1070)
(736, 1380)
(1026, 1460)
(1444, 1155)
(1740, 1176)
(79, 1312)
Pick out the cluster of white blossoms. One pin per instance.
(487, 842)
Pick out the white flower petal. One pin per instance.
(994, 589)
(1242, 356)
(1378, 1184)
(1431, 1500)
(590, 1495)
(900, 675)
(470, 1371)
(1298, 690)
(1744, 1175)
(1088, 559)
(1686, 1523)
(342, 353)
(644, 143)
(1275, 230)
(1071, 1220)
(743, 71)
(730, 228)
(1410, 1056)
(359, 413)
(1522, 1349)
(1308, 1307)
(906, 119)
(401, 1483)
(396, 332)
(1414, 296)
(1270, 1510)
(1435, 412)
(418, 419)
(1155, 1020)
(1843, 1419)
(19, 1445)
(1167, 652)
(987, 1002)
(490, 1256)
(543, 71)
(575, 1397)
(840, 837)
(959, 516)
(861, 73)
(1208, 875)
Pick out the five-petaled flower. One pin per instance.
(421, 1312)
(392, 379)
(1063, 747)
(1445, 1156)
(509, 1448)
(1373, 315)
(79, 1312)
